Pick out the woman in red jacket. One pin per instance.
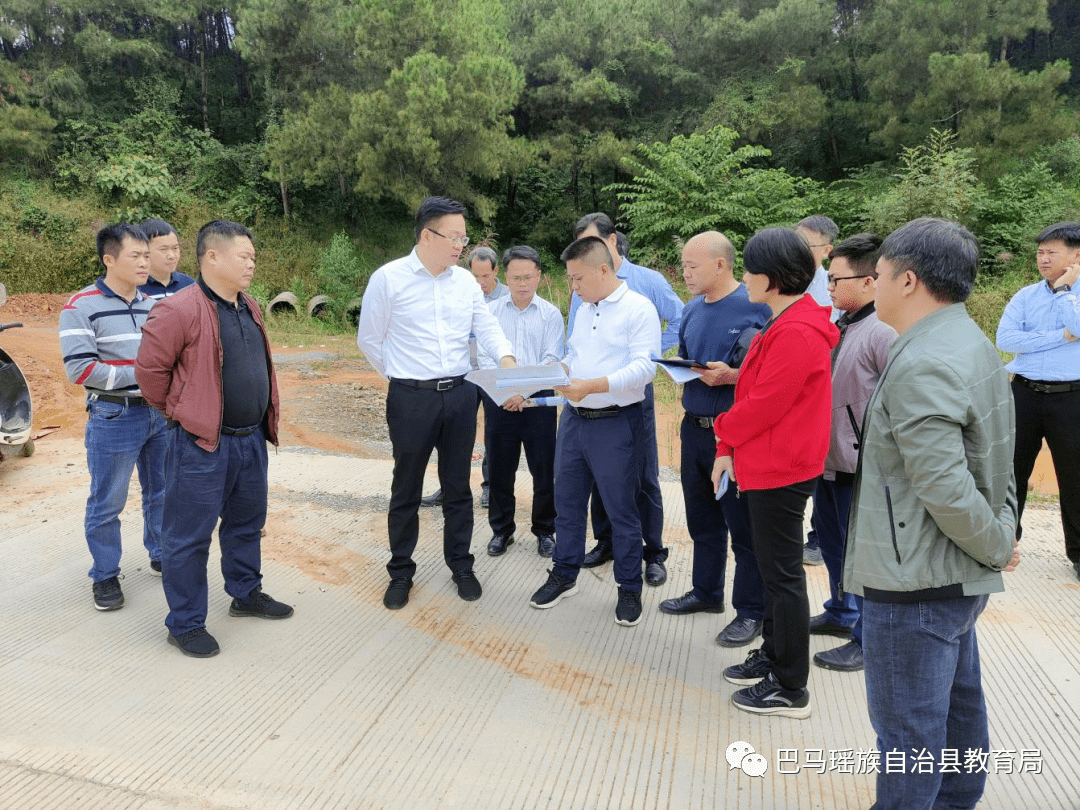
(773, 442)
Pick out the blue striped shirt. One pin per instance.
(536, 332)
(1033, 328)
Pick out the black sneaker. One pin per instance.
(769, 697)
(628, 610)
(107, 594)
(468, 586)
(155, 568)
(753, 669)
(261, 605)
(196, 643)
(397, 593)
(552, 592)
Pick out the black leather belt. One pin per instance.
(705, 422)
(600, 413)
(119, 400)
(1049, 387)
(445, 384)
(244, 431)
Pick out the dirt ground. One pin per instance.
(331, 399)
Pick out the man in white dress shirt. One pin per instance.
(602, 434)
(535, 328)
(417, 314)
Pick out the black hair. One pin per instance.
(622, 244)
(820, 224)
(521, 252)
(483, 253)
(218, 227)
(1067, 232)
(943, 254)
(588, 247)
(861, 252)
(153, 228)
(604, 226)
(111, 237)
(783, 256)
(434, 208)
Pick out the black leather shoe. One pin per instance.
(655, 574)
(820, 625)
(397, 593)
(499, 543)
(468, 586)
(688, 603)
(434, 499)
(545, 544)
(740, 632)
(847, 658)
(598, 556)
(485, 498)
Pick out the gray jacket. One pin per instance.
(858, 360)
(934, 508)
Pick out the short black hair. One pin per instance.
(861, 252)
(218, 227)
(521, 252)
(587, 247)
(943, 254)
(819, 223)
(1067, 232)
(111, 237)
(622, 244)
(434, 208)
(604, 226)
(783, 256)
(153, 228)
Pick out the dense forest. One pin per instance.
(308, 117)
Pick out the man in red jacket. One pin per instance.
(205, 363)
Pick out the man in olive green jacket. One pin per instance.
(933, 520)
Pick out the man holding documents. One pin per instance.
(602, 435)
(535, 329)
(716, 326)
(415, 321)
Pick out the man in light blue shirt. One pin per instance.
(1040, 326)
(656, 288)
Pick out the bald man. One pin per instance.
(716, 329)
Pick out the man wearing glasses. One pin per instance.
(415, 320)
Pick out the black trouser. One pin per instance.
(1056, 418)
(421, 419)
(506, 433)
(776, 520)
(649, 502)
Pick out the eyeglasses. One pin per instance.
(833, 279)
(454, 240)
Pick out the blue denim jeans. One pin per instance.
(924, 693)
(120, 438)
(832, 505)
(229, 483)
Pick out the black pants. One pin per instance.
(506, 433)
(776, 520)
(421, 419)
(650, 504)
(1056, 418)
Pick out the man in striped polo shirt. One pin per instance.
(100, 330)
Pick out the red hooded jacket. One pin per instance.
(777, 431)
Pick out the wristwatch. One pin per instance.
(1063, 288)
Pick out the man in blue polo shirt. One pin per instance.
(654, 287)
(1040, 326)
(164, 279)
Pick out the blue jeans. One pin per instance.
(120, 438)
(832, 504)
(229, 483)
(940, 708)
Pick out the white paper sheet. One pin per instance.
(679, 374)
(503, 383)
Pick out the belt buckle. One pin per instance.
(1040, 388)
(444, 385)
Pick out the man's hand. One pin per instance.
(1015, 561)
(577, 390)
(720, 466)
(1070, 276)
(719, 374)
(515, 403)
(1069, 336)
(508, 362)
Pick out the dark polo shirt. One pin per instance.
(245, 371)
